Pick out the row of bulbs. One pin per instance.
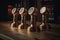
(30, 11)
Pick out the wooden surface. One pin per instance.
(5, 30)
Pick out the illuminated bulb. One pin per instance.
(42, 10)
(21, 10)
(31, 10)
(13, 10)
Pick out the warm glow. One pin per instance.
(19, 27)
(13, 10)
(12, 26)
(28, 29)
(21, 10)
(31, 10)
(42, 10)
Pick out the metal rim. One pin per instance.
(31, 10)
(42, 10)
(21, 10)
(13, 10)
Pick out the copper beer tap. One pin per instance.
(23, 13)
(15, 15)
(33, 14)
(43, 24)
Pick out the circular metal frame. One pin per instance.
(21, 10)
(31, 10)
(14, 10)
(42, 10)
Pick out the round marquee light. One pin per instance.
(21, 10)
(42, 10)
(31, 10)
(13, 10)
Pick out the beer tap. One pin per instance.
(33, 14)
(14, 23)
(43, 11)
(23, 13)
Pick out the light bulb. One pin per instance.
(31, 10)
(13, 10)
(42, 10)
(21, 10)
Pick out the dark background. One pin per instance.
(4, 13)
